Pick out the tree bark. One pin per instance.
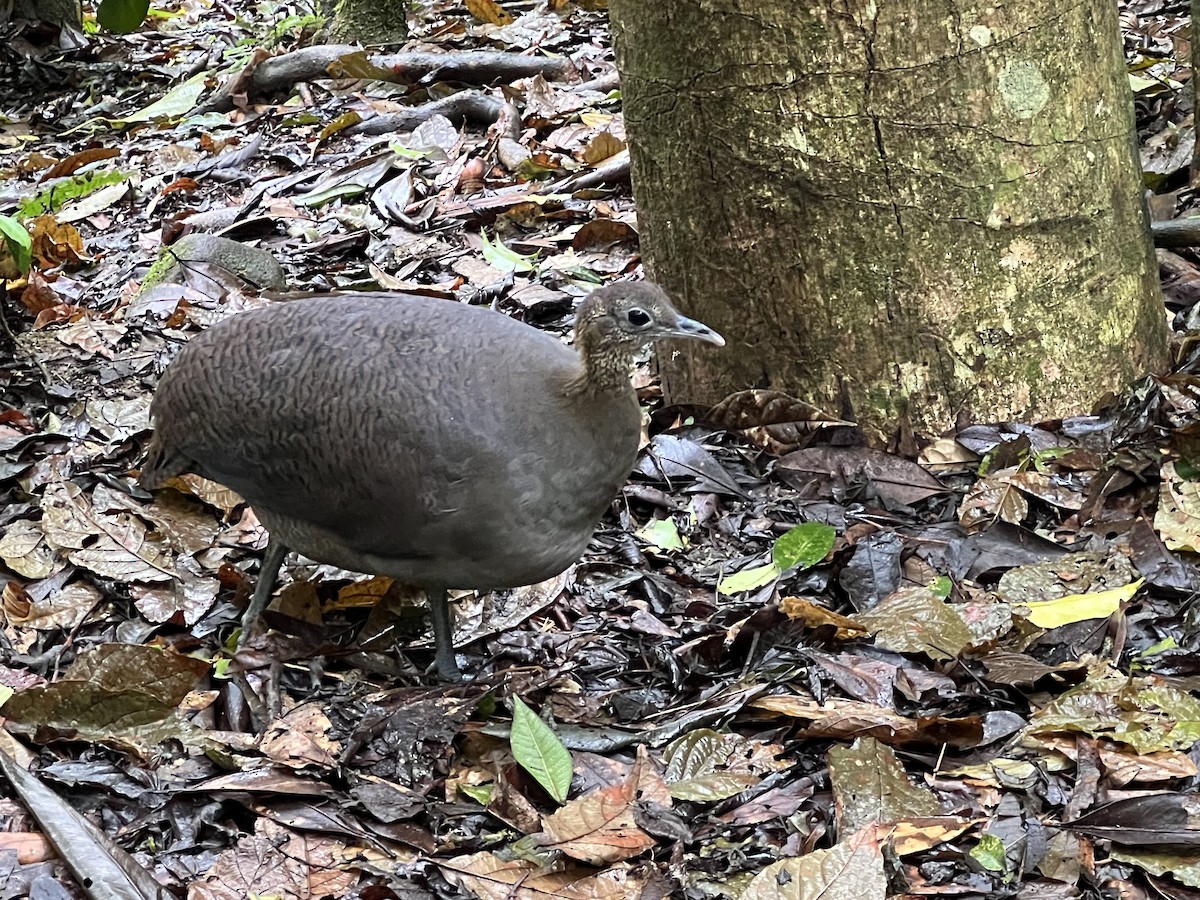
(367, 21)
(56, 12)
(925, 207)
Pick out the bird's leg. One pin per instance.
(268, 573)
(443, 636)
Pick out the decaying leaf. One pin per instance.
(704, 765)
(871, 787)
(851, 870)
(600, 827)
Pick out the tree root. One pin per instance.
(266, 74)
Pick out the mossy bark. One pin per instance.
(57, 12)
(366, 21)
(931, 204)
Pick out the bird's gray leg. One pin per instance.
(268, 574)
(443, 636)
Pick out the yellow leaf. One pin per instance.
(489, 11)
(1080, 607)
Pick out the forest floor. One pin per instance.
(788, 665)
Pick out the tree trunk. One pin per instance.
(928, 207)
(56, 12)
(366, 21)
(1194, 10)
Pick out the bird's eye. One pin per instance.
(638, 318)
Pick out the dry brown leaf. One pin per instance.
(604, 145)
(55, 243)
(851, 870)
(301, 738)
(98, 338)
(849, 719)
(114, 546)
(77, 161)
(813, 615)
(599, 827)
(947, 455)
(776, 421)
(915, 835)
(276, 862)
(39, 294)
(491, 878)
(1123, 766)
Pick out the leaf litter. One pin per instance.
(788, 665)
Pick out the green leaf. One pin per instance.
(941, 587)
(502, 258)
(63, 192)
(175, 103)
(804, 546)
(540, 752)
(20, 245)
(1187, 469)
(989, 853)
(662, 533)
(122, 16)
(480, 793)
(748, 579)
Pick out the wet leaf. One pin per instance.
(1080, 607)
(491, 877)
(851, 870)
(277, 862)
(600, 827)
(24, 549)
(124, 694)
(540, 752)
(915, 620)
(115, 546)
(803, 546)
(706, 766)
(301, 739)
(870, 786)
(92, 856)
(1177, 520)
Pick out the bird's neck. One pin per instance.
(601, 370)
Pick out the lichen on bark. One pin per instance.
(928, 203)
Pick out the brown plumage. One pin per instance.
(445, 445)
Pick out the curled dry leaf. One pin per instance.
(600, 827)
(870, 786)
(490, 877)
(775, 420)
(277, 862)
(24, 549)
(114, 546)
(851, 870)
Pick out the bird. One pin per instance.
(445, 445)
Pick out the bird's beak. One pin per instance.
(690, 328)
